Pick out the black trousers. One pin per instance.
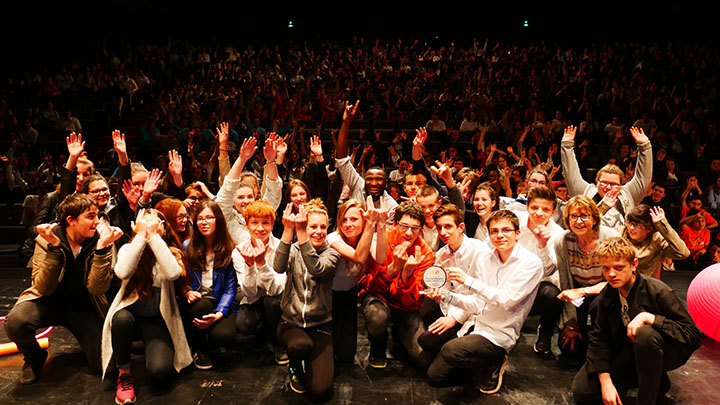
(406, 329)
(463, 358)
(548, 307)
(260, 319)
(432, 342)
(589, 308)
(313, 346)
(27, 317)
(640, 364)
(220, 334)
(344, 313)
(159, 349)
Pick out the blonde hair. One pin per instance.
(616, 248)
(582, 203)
(347, 205)
(316, 206)
(610, 169)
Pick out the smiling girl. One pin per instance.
(306, 329)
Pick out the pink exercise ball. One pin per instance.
(703, 301)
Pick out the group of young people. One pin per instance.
(186, 276)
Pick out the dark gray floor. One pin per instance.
(249, 377)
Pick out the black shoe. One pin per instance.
(378, 361)
(492, 380)
(297, 380)
(543, 342)
(202, 361)
(281, 357)
(32, 368)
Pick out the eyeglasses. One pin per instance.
(610, 185)
(180, 217)
(534, 182)
(582, 217)
(635, 225)
(405, 227)
(505, 231)
(198, 198)
(206, 220)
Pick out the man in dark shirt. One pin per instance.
(642, 330)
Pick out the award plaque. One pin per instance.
(435, 277)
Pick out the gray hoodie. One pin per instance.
(307, 298)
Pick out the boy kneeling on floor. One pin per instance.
(642, 330)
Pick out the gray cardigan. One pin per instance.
(307, 298)
(563, 265)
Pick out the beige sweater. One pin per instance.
(665, 243)
(167, 268)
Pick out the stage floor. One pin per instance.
(244, 376)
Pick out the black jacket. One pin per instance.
(609, 336)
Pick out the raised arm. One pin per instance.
(343, 141)
(575, 183)
(640, 182)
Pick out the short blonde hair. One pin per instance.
(316, 206)
(616, 248)
(582, 203)
(610, 169)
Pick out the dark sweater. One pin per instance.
(609, 336)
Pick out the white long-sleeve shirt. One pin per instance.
(503, 294)
(528, 240)
(465, 258)
(255, 282)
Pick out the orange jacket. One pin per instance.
(404, 296)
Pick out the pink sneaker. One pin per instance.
(125, 393)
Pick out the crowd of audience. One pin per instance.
(543, 156)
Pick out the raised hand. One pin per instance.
(444, 172)
(542, 234)
(288, 218)
(259, 250)
(464, 188)
(154, 224)
(420, 137)
(270, 150)
(107, 240)
(175, 165)
(247, 251)
(414, 259)
(75, 144)
(247, 149)
(223, 134)
(350, 110)
(316, 146)
(141, 224)
(132, 194)
(281, 146)
(639, 136)
(611, 197)
(152, 183)
(657, 214)
(120, 146)
(47, 233)
(569, 134)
